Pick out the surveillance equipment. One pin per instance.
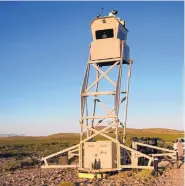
(114, 12)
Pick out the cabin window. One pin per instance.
(104, 34)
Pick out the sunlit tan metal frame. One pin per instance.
(92, 132)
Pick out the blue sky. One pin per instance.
(44, 48)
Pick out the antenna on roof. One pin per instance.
(102, 10)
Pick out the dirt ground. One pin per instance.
(173, 177)
(50, 177)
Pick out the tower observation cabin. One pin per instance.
(109, 33)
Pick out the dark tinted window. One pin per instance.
(103, 34)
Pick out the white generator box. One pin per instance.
(103, 151)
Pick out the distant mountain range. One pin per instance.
(10, 135)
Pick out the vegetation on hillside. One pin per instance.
(25, 151)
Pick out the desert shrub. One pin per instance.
(10, 165)
(144, 174)
(66, 183)
(16, 164)
(28, 162)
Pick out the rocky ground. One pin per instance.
(53, 177)
(172, 177)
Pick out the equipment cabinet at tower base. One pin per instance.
(99, 155)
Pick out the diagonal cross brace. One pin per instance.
(104, 74)
(100, 71)
(110, 112)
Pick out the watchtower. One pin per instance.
(108, 51)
